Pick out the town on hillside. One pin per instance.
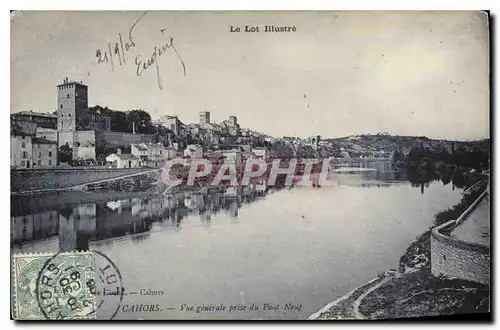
(78, 135)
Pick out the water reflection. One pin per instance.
(77, 225)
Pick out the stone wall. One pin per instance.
(458, 259)
(84, 145)
(119, 139)
(47, 133)
(62, 178)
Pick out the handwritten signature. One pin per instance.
(120, 49)
(153, 60)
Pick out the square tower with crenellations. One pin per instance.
(72, 106)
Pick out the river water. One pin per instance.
(287, 252)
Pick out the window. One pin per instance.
(25, 154)
(39, 162)
(23, 164)
(39, 154)
(50, 153)
(69, 115)
(61, 108)
(67, 95)
(23, 145)
(50, 161)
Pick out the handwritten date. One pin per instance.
(118, 49)
(117, 54)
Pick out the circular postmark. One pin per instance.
(79, 285)
(110, 288)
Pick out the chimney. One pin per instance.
(118, 151)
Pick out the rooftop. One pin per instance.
(146, 146)
(66, 82)
(33, 113)
(126, 157)
(39, 140)
(140, 146)
(18, 132)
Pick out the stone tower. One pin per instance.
(233, 120)
(205, 117)
(72, 106)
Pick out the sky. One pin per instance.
(340, 73)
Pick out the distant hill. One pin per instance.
(390, 143)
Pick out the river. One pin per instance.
(302, 246)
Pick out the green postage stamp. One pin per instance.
(53, 286)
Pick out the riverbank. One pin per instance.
(30, 181)
(412, 291)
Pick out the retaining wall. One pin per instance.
(459, 259)
(60, 178)
(119, 139)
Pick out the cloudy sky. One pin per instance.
(340, 73)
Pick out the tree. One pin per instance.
(142, 120)
(398, 158)
(415, 155)
(119, 122)
(65, 154)
(306, 151)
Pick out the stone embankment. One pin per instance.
(450, 284)
(39, 181)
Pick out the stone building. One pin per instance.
(21, 150)
(86, 132)
(150, 154)
(119, 160)
(233, 120)
(205, 117)
(44, 152)
(73, 109)
(314, 140)
(171, 122)
(29, 151)
(44, 120)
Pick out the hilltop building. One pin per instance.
(171, 122)
(233, 120)
(205, 117)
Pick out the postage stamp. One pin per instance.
(54, 286)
